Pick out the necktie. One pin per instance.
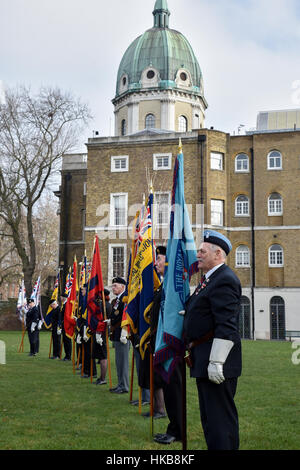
(200, 284)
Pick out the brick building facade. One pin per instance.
(246, 186)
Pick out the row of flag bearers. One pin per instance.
(149, 310)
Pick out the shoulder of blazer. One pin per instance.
(224, 272)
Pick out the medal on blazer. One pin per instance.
(201, 286)
(116, 312)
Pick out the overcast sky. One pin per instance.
(248, 51)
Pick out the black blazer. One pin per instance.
(215, 308)
(116, 318)
(32, 316)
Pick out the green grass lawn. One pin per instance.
(44, 405)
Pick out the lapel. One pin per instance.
(207, 281)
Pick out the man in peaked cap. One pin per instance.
(211, 328)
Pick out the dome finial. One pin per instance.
(161, 14)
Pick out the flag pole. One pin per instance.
(184, 411)
(107, 340)
(73, 354)
(132, 373)
(151, 393)
(91, 360)
(50, 347)
(21, 346)
(82, 358)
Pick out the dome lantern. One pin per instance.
(159, 76)
(161, 14)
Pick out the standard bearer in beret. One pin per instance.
(211, 326)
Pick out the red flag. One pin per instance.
(96, 288)
(71, 304)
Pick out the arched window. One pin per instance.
(244, 318)
(123, 127)
(242, 256)
(274, 160)
(241, 163)
(275, 256)
(277, 318)
(275, 204)
(150, 121)
(182, 124)
(242, 206)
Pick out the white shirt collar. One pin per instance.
(209, 273)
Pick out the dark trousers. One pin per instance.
(88, 359)
(67, 345)
(33, 341)
(173, 402)
(218, 414)
(56, 342)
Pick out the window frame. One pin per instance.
(156, 156)
(110, 271)
(153, 118)
(242, 170)
(243, 204)
(156, 209)
(222, 214)
(220, 154)
(275, 213)
(180, 121)
(276, 253)
(112, 209)
(244, 253)
(275, 168)
(113, 160)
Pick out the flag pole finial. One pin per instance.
(179, 146)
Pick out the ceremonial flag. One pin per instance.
(144, 280)
(71, 304)
(48, 317)
(181, 263)
(22, 303)
(35, 295)
(82, 302)
(96, 287)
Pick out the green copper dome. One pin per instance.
(165, 50)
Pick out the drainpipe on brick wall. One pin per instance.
(252, 243)
(67, 200)
(201, 140)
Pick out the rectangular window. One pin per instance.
(216, 161)
(242, 259)
(118, 209)
(162, 161)
(162, 208)
(116, 261)
(119, 163)
(275, 207)
(276, 258)
(216, 212)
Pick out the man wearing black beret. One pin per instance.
(119, 336)
(211, 328)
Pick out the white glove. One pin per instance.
(218, 355)
(33, 325)
(123, 337)
(78, 339)
(40, 324)
(58, 330)
(108, 321)
(85, 336)
(99, 339)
